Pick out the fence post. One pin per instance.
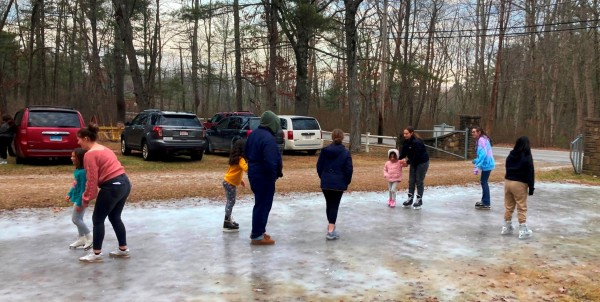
(466, 143)
(367, 145)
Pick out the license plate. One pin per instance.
(167, 138)
(183, 133)
(55, 138)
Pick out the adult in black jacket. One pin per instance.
(335, 171)
(519, 182)
(415, 152)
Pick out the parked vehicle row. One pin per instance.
(51, 132)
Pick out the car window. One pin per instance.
(179, 120)
(154, 119)
(137, 120)
(305, 124)
(283, 123)
(235, 123)
(59, 119)
(216, 118)
(223, 123)
(18, 118)
(253, 123)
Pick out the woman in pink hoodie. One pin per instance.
(392, 171)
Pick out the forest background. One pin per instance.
(528, 67)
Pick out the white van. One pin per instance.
(301, 133)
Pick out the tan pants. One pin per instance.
(515, 195)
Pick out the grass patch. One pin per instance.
(567, 175)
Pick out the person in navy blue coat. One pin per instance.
(335, 171)
(264, 167)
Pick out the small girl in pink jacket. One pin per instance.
(392, 171)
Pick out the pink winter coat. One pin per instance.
(393, 171)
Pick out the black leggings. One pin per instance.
(332, 200)
(109, 203)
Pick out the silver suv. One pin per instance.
(159, 133)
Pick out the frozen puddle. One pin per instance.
(447, 250)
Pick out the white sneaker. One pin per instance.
(79, 242)
(120, 254)
(507, 229)
(524, 231)
(91, 257)
(3, 162)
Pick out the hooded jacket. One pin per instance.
(392, 171)
(519, 167)
(485, 159)
(334, 167)
(261, 150)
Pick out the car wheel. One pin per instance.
(20, 160)
(124, 149)
(312, 152)
(146, 154)
(197, 156)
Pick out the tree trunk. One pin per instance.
(239, 105)
(195, 61)
(504, 9)
(123, 20)
(351, 6)
(119, 65)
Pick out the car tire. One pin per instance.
(311, 152)
(146, 153)
(196, 156)
(20, 160)
(124, 149)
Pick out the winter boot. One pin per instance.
(417, 205)
(229, 225)
(392, 203)
(524, 231)
(89, 242)
(507, 229)
(79, 242)
(409, 201)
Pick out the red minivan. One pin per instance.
(46, 132)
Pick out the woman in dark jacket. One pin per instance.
(415, 151)
(520, 180)
(335, 171)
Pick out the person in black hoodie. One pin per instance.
(334, 167)
(415, 151)
(264, 168)
(520, 180)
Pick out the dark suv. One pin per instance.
(46, 132)
(157, 133)
(222, 136)
(215, 119)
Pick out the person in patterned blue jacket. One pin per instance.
(334, 168)
(74, 196)
(264, 168)
(483, 161)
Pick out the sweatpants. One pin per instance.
(392, 188)
(263, 201)
(515, 195)
(416, 178)
(109, 203)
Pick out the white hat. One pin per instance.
(394, 151)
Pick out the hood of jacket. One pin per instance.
(270, 121)
(333, 151)
(395, 151)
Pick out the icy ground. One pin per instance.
(447, 250)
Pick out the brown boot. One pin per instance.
(266, 240)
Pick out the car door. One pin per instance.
(136, 131)
(231, 131)
(216, 134)
(307, 133)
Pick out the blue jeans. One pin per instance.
(77, 218)
(485, 176)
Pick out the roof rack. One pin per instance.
(50, 106)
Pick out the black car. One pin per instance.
(222, 136)
(158, 133)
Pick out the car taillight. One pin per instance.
(290, 135)
(248, 133)
(158, 131)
